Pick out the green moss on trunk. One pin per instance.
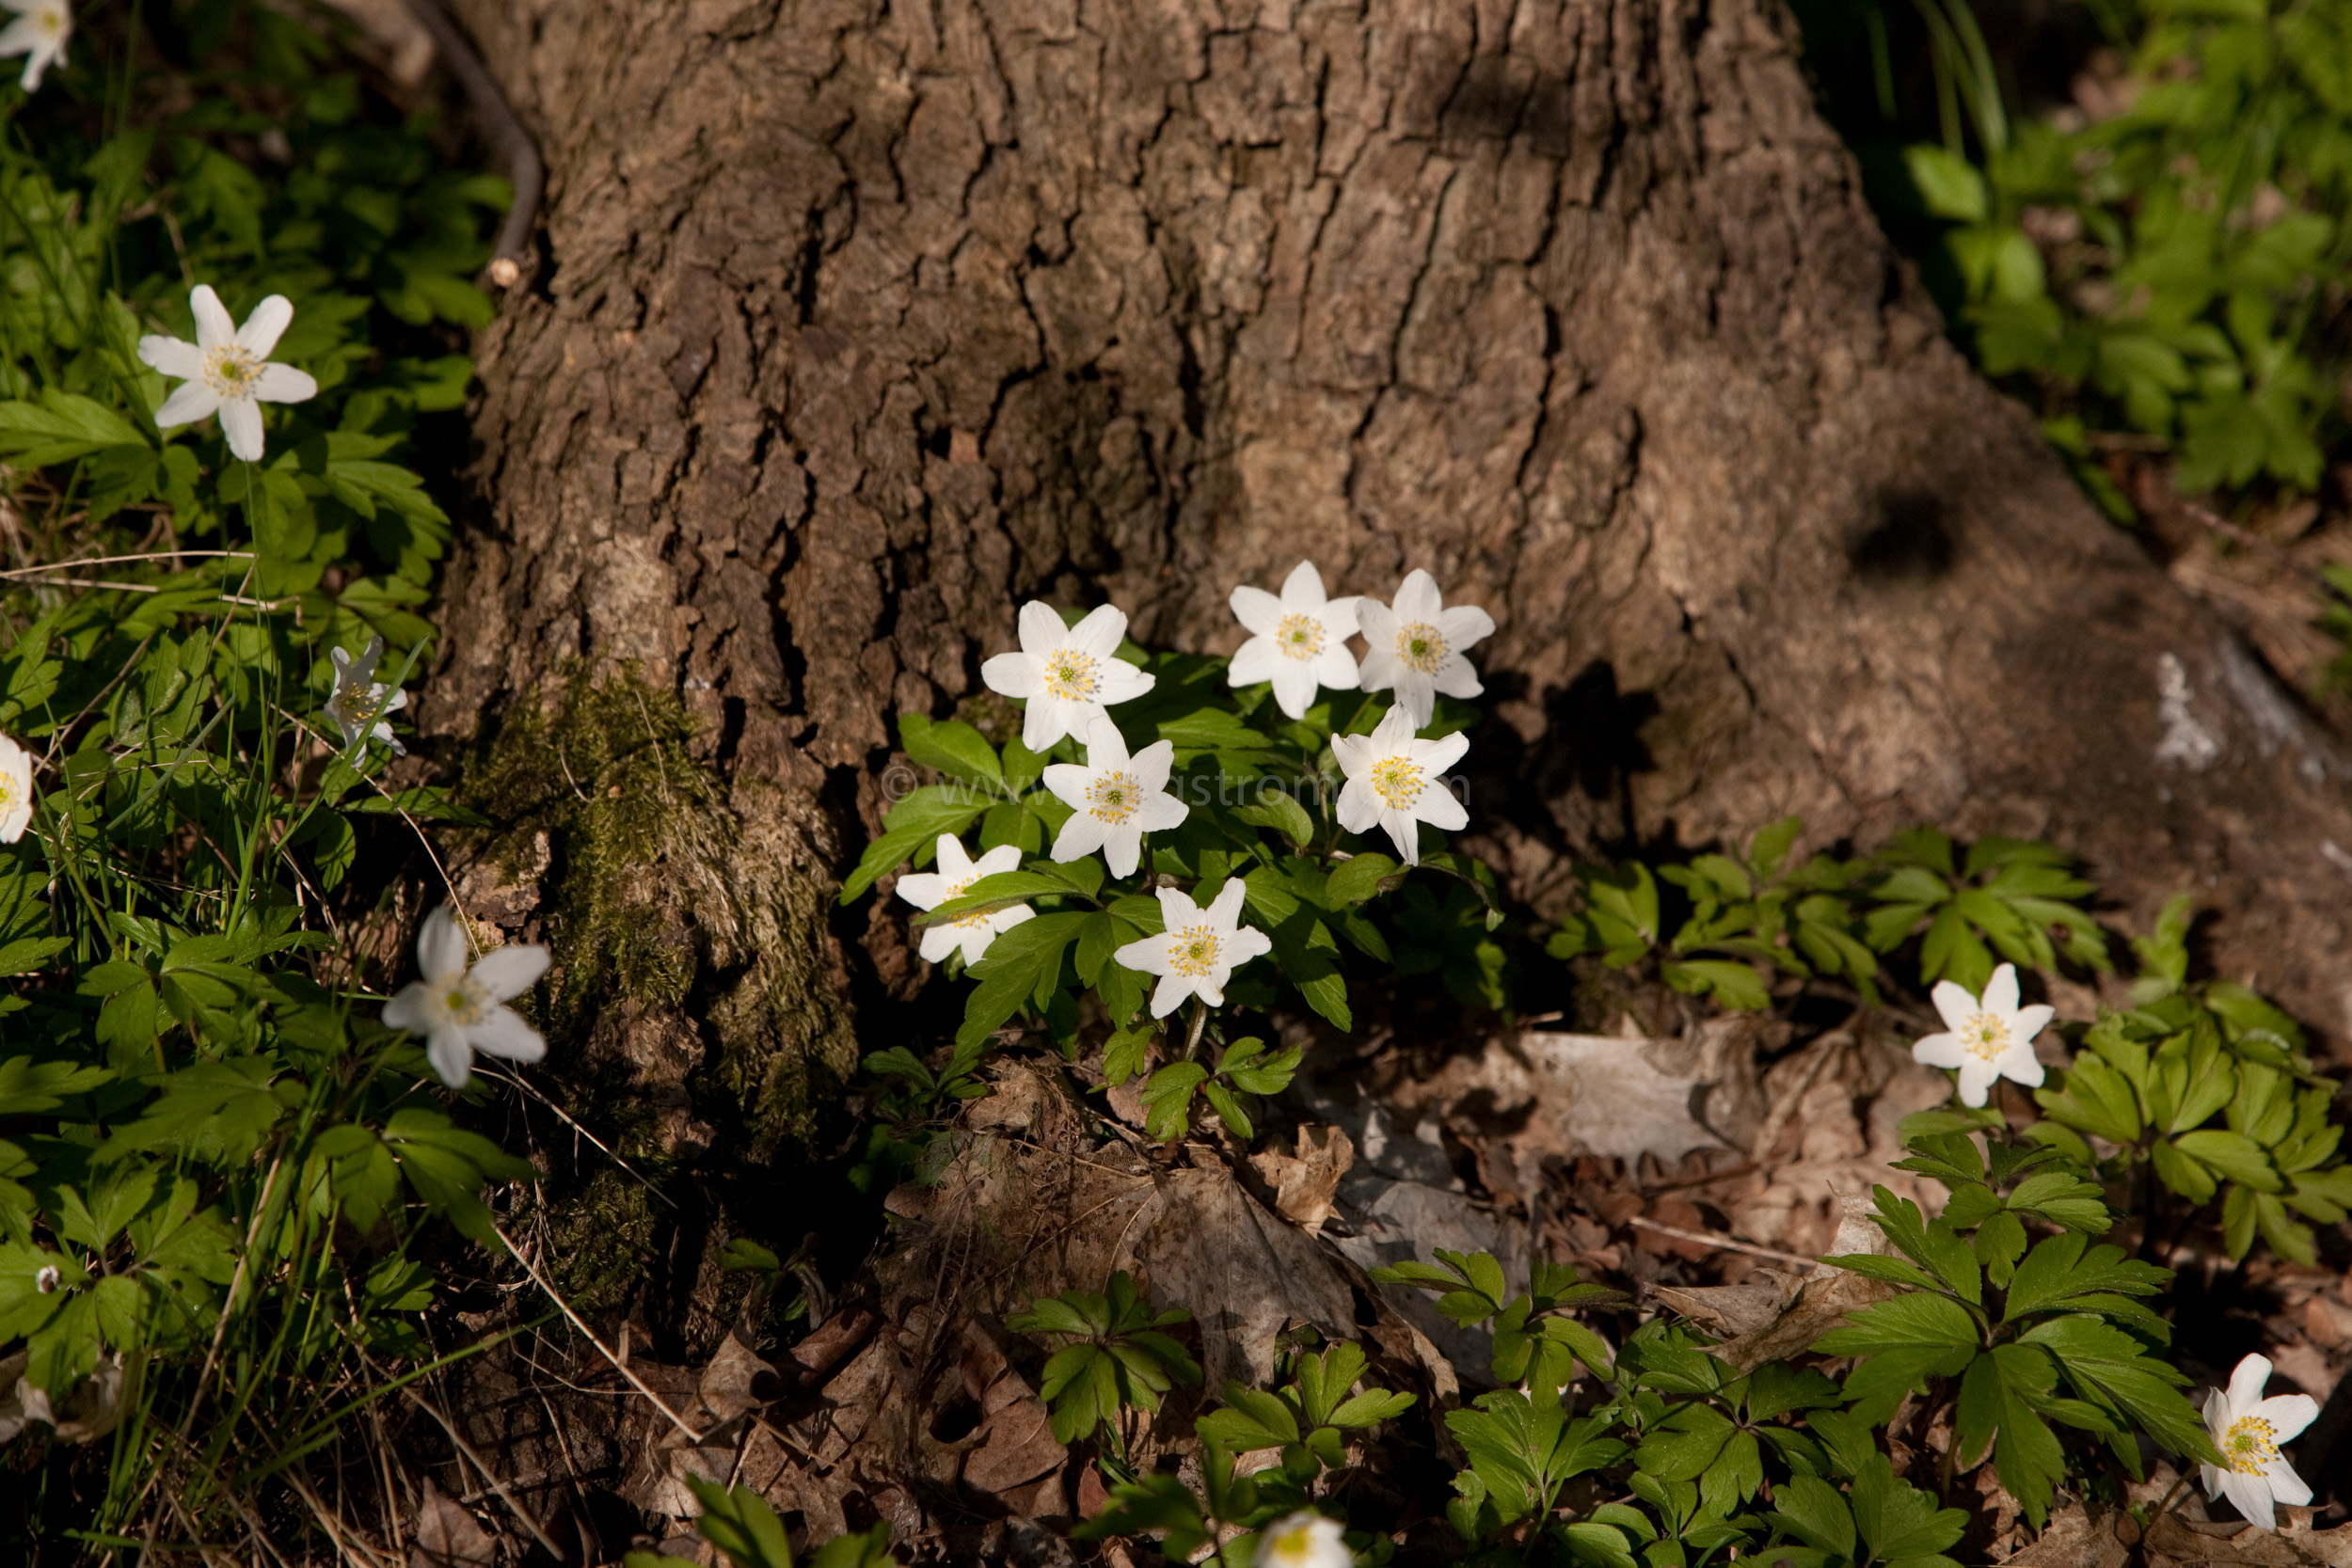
(701, 903)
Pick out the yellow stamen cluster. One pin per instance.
(2250, 1444)
(1194, 952)
(1071, 676)
(466, 1003)
(1398, 782)
(1114, 796)
(1986, 1036)
(1421, 646)
(1299, 637)
(231, 371)
(1292, 1546)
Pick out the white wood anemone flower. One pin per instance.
(1065, 674)
(1989, 1037)
(1396, 783)
(227, 369)
(456, 1006)
(16, 790)
(1197, 949)
(359, 704)
(1304, 1540)
(957, 871)
(40, 33)
(1414, 646)
(1300, 643)
(2248, 1429)
(1114, 798)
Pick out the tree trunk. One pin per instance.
(858, 322)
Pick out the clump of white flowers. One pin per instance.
(957, 871)
(359, 704)
(1987, 1038)
(1300, 643)
(16, 790)
(456, 1006)
(1304, 1540)
(40, 33)
(1414, 646)
(2248, 1429)
(1395, 782)
(1197, 949)
(1066, 675)
(227, 369)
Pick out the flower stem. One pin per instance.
(1193, 1031)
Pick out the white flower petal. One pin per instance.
(1975, 1080)
(1147, 957)
(1256, 610)
(1303, 588)
(441, 947)
(265, 326)
(2019, 1066)
(1415, 694)
(1436, 757)
(1342, 617)
(1068, 781)
(1176, 907)
(1123, 682)
(2246, 1385)
(1403, 830)
(1359, 807)
(1395, 728)
(451, 1057)
(1294, 687)
(241, 422)
(1943, 1051)
(978, 938)
(2288, 1414)
(1456, 677)
(938, 941)
(1012, 675)
(1079, 837)
(1108, 748)
(1418, 599)
(24, 37)
(214, 327)
(1099, 633)
(1464, 624)
(1258, 659)
(2252, 1493)
(1152, 764)
(1335, 667)
(410, 1008)
(505, 1033)
(510, 971)
(1441, 808)
(13, 823)
(173, 356)
(1957, 1003)
(285, 384)
(925, 890)
(1225, 910)
(189, 402)
(1380, 667)
(1159, 813)
(1046, 720)
(1249, 942)
(1005, 857)
(2030, 1021)
(1122, 849)
(2000, 993)
(1040, 628)
(948, 849)
(1170, 994)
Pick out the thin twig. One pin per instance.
(513, 1504)
(505, 134)
(622, 1367)
(111, 560)
(2253, 541)
(1722, 1244)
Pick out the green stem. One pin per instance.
(1194, 1030)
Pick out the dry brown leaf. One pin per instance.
(1246, 1274)
(91, 1408)
(447, 1535)
(737, 1381)
(2173, 1542)
(1729, 1311)
(1305, 1184)
(2077, 1538)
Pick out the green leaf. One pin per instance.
(952, 747)
(1947, 185)
(911, 830)
(60, 427)
(1815, 1513)
(1168, 1099)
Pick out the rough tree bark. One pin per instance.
(858, 321)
